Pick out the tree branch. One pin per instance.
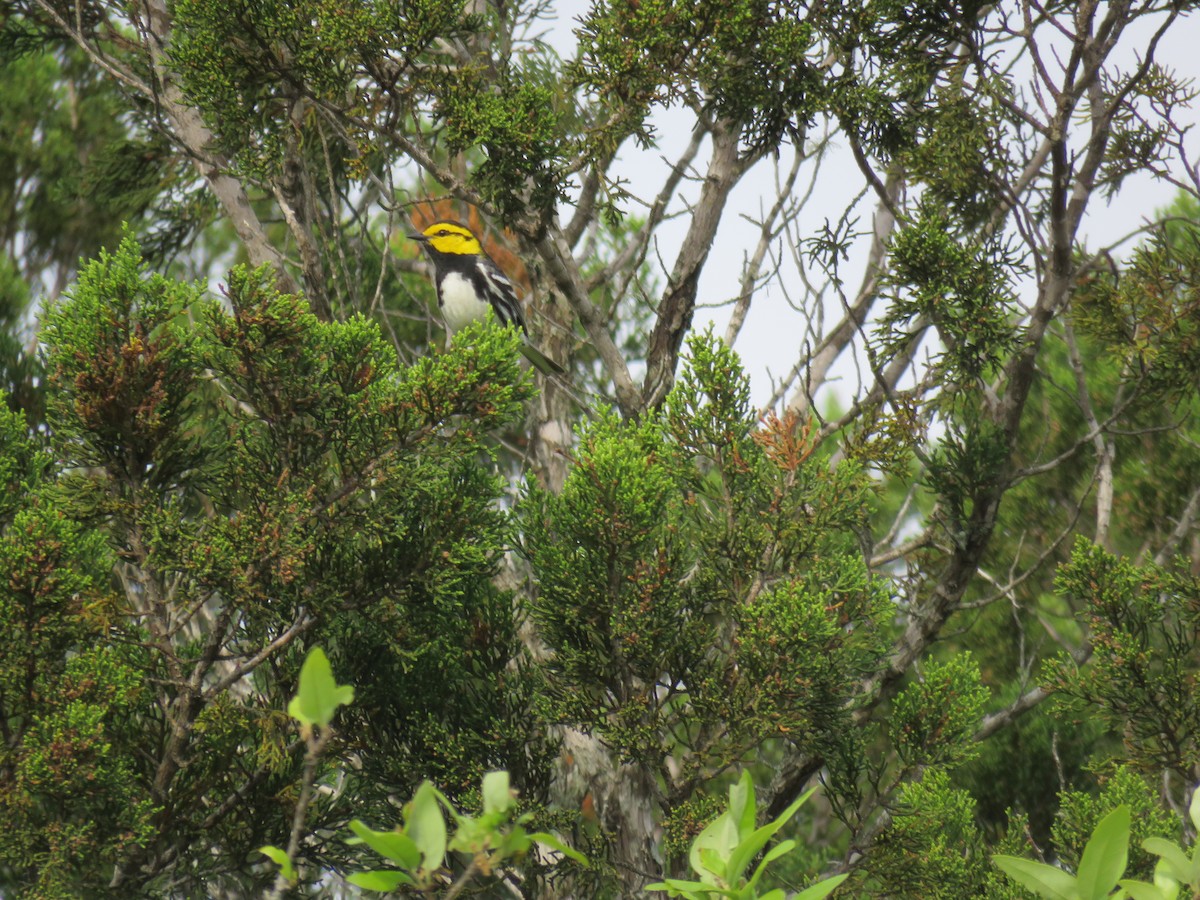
(555, 252)
(678, 303)
(195, 136)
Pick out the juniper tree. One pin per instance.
(977, 388)
(222, 485)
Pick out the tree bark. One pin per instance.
(678, 303)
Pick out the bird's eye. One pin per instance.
(443, 233)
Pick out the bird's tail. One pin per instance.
(541, 361)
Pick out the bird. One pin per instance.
(468, 282)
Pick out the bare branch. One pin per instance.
(301, 623)
(679, 300)
(767, 234)
(75, 32)
(817, 364)
(555, 252)
(1185, 523)
(624, 266)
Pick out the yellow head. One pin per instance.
(449, 238)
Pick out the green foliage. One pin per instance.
(243, 65)
(686, 821)
(1154, 465)
(1093, 837)
(23, 463)
(697, 576)
(318, 696)
(759, 66)
(67, 791)
(1081, 811)
(65, 123)
(1026, 766)
(18, 369)
(721, 854)
(752, 61)
(1103, 861)
(223, 484)
(248, 67)
(1134, 143)
(959, 146)
(934, 719)
(1100, 867)
(422, 849)
(931, 847)
(54, 572)
(76, 162)
(1144, 627)
(1176, 869)
(66, 698)
(281, 859)
(121, 358)
(965, 467)
(516, 125)
(1181, 221)
(419, 846)
(963, 286)
(1148, 317)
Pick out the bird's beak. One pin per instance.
(419, 238)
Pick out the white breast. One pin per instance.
(460, 305)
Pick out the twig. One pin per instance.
(316, 744)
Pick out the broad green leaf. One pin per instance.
(716, 841)
(1193, 879)
(1045, 880)
(677, 884)
(1194, 810)
(1139, 890)
(742, 806)
(781, 849)
(691, 889)
(1105, 856)
(281, 859)
(821, 888)
(497, 795)
(785, 816)
(555, 844)
(750, 847)
(513, 843)
(379, 880)
(714, 863)
(425, 825)
(473, 835)
(319, 695)
(1169, 886)
(393, 845)
(1174, 860)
